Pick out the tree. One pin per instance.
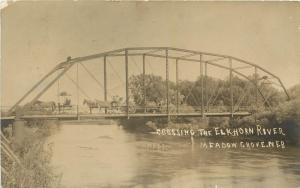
(155, 88)
(216, 92)
(295, 92)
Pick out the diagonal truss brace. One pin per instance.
(66, 66)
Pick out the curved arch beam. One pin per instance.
(191, 52)
(149, 51)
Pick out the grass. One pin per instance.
(34, 169)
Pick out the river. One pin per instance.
(91, 155)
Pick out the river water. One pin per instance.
(108, 156)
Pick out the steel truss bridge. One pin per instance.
(167, 55)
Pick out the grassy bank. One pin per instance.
(25, 160)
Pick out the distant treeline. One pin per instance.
(216, 91)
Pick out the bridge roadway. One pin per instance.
(124, 115)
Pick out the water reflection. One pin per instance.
(108, 156)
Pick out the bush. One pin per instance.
(288, 116)
(289, 112)
(33, 169)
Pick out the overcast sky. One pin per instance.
(36, 36)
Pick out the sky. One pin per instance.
(36, 35)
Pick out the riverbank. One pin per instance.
(25, 160)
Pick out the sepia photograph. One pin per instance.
(158, 94)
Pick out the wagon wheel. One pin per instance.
(132, 109)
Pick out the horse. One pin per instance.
(91, 104)
(40, 105)
(103, 104)
(46, 105)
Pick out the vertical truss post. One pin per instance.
(256, 91)
(127, 90)
(105, 80)
(167, 83)
(144, 82)
(231, 90)
(58, 96)
(205, 86)
(202, 82)
(77, 92)
(177, 88)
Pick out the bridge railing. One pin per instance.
(82, 110)
(198, 109)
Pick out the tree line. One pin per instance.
(216, 92)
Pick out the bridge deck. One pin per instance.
(123, 115)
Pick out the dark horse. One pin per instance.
(41, 105)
